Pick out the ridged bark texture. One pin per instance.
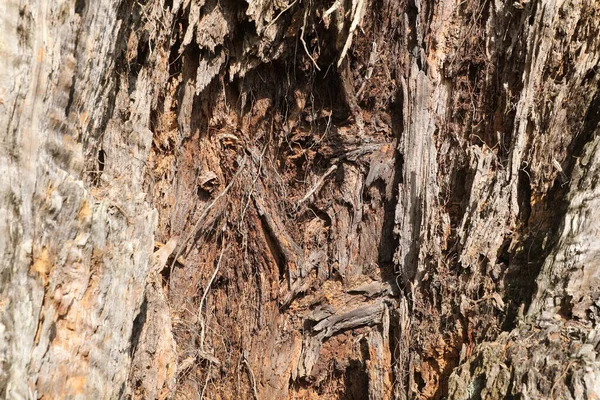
(292, 200)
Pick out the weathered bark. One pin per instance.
(300, 199)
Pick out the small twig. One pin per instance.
(118, 207)
(484, 142)
(331, 9)
(558, 167)
(304, 43)
(251, 377)
(206, 382)
(281, 13)
(357, 14)
(206, 289)
(317, 185)
(561, 377)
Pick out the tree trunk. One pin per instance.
(293, 200)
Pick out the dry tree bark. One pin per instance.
(292, 199)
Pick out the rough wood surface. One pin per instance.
(287, 199)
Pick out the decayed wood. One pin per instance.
(373, 199)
